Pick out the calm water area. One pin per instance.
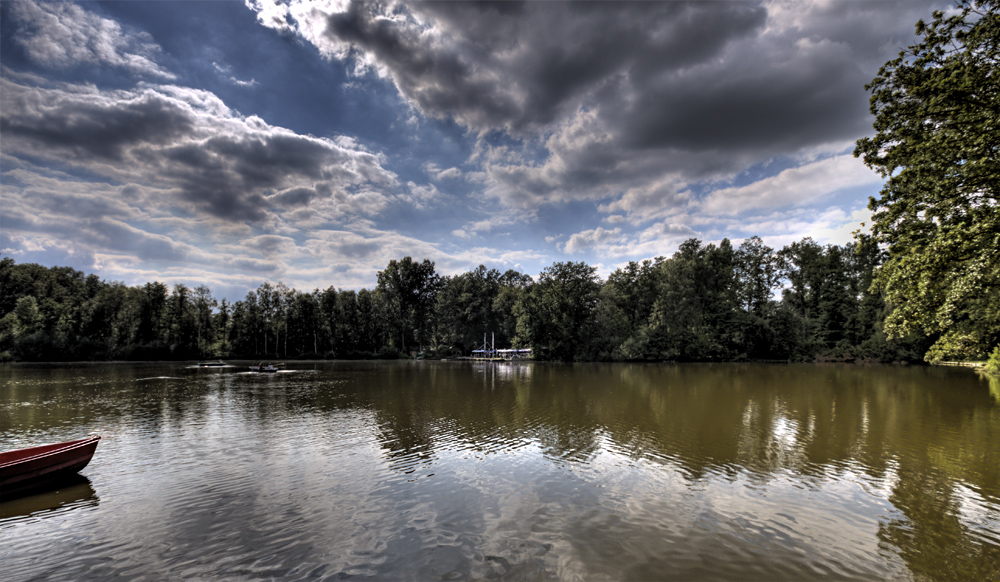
(508, 471)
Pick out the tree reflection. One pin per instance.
(931, 538)
(920, 437)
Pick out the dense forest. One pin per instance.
(707, 302)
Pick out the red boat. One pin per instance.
(24, 468)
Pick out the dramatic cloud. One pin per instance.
(512, 64)
(621, 95)
(98, 225)
(188, 141)
(58, 34)
(655, 199)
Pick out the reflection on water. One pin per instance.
(994, 387)
(447, 470)
(47, 500)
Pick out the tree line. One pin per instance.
(707, 302)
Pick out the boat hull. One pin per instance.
(26, 468)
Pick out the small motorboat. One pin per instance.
(262, 369)
(26, 468)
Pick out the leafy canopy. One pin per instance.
(937, 123)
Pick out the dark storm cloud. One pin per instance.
(440, 81)
(183, 140)
(85, 125)
(563, 51)
(801, 101)
(623, 94)
(229, 174)
(524, 65)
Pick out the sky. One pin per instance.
(230, 143)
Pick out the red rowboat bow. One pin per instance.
(25, 467)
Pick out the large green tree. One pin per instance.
(555, 315)
(937, 123)
(410, 291)
(464, 309)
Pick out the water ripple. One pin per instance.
(420, 471)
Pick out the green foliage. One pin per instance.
(25, 319)
(555, 315)
(695, 313)
(759, 271)
(993, 363)
(705, 303)
(464, 309)
(409, 289)
(513, 287)
(624, 306)
(937, 123)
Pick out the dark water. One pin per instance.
(459, 471)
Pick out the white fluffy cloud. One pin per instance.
(799, 186)
(589, 239)
(61, 35)
(652, 241)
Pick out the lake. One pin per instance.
(508, 471)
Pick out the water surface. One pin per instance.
(462, 471)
